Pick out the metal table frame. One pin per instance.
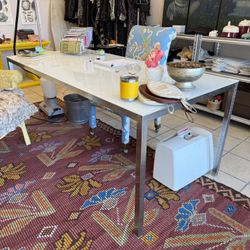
(142, 127)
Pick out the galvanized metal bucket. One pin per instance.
(76, 108)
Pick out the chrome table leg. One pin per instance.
(141, 153)
(231, 94)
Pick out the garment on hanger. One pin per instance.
(122, 10)
(112, 9)
(111, 19)
(71, 9)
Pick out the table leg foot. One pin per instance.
(157, 124)
(92, 131)
(124, 148)
(138, 232)
(157, 128)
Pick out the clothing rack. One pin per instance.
(97, 13)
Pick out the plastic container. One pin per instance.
(76, 108)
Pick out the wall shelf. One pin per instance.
(225, 40)
(241, 78)
(221, 114)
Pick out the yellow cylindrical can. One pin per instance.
(129, 87)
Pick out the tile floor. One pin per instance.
(235, 165)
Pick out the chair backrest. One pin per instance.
(10, 78)
(142, 40)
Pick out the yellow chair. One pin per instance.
(14, 108)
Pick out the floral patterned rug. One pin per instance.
(68, 190)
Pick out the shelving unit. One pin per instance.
(225, 40)
(241, 78)
(221, 114)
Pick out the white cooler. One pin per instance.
(184, 158)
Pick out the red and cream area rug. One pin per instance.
(68, 190)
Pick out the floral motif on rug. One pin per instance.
(68, 190)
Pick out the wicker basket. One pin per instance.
(214, 105)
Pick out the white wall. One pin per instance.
(156, 12)
(44, 9)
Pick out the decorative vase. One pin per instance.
(154, 74)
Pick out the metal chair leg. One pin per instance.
(92, 119)
(25, 134)
(157, 124)
(125, 133)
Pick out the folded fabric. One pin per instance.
(227, 64)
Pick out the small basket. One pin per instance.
(214, 105)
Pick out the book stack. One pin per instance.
(76, 40)
(23, 33)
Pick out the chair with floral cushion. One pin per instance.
(14, 108)
(141, 41)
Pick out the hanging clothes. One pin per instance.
(111, 19)
(122, 10)
(71, 9)
(112, 9)
(132, 14)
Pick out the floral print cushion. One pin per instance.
(14, 110)
(142, 39)
(10, 78)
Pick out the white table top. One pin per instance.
(104, 83)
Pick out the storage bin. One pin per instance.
(183, 158)
(76, 108)
(213, 105)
